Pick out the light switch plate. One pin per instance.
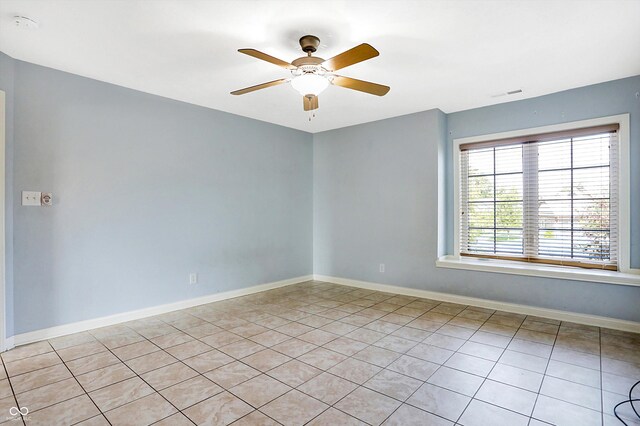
(31, 198)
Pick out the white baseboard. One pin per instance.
(599, 321)
(76, 327)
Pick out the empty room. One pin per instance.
(278, 212)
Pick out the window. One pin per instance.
(546, 198)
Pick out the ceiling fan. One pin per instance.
(310, 75)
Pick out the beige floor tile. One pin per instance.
(562, 413)
(265, 360)
(248, 330)
(135, 350)
(393, 384)
(255, 418)
(5, 405)
(395, 343)
(333, 417)
(221, 409)
(481, 350)
(574, 373)
(532, 348)
(430, 353)
(318, 337)
(26, 351)
(345, 346)
(177, 419)
(294, 373)
(439, 401)
(478, 412)
(368, 406)
(338, 327)
(509, 397)
(407, 415)
(120, 393)
(143, 411)
(270, 338)
(355, 370)
(517, 377)
(377, 356)
(294, 329)
(577, 358)
(491, 339)
(445, 342)
(328, 388)
(294, 408)
(242, 348)
(220, 339)
(98, 420)
(104, 376)
(188, 350)
(259, 390)
(92, 362)
(322, 358)
(149, 362)
(208, 361)
(45, 396)
(82, 350)
(190, 392)
(32, 363)
(5, 388)
(232, 374)
(470, 364)
(168, 375)
(366, 336)
(294, 347)
(413, 367)
(456, 380)
(202, 330)
(573, 393)
(64, 413)
(411, 333)
(71, 340)
(119, 340)
(173, 339)
(35, 379)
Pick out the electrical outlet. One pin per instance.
(193, 278)
(382, 267)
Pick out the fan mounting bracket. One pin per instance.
(309, 43)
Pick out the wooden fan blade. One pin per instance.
(310, 103)
(352, 56)
(259, 86)
(260, 55)
(361, 85)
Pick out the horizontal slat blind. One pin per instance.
(544, 199)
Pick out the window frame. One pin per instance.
(624, 193)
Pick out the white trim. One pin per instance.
(76, 327)
(595, 320)
(624, 180)
(3, 253)
(538, 270)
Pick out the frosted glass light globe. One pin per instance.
(309, 84)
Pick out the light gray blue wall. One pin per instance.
(147, 190)
(7, 77)
(378, 198)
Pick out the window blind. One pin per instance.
(548, 198)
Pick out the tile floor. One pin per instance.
(323, 354)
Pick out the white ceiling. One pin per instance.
(451, 55)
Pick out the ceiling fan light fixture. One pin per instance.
(309, 84)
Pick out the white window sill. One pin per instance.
(547, 271)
